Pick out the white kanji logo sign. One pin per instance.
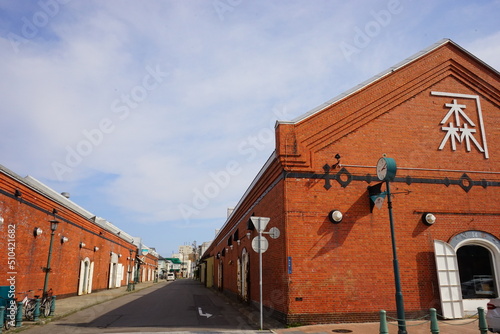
(458, 124)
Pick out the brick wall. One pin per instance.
(344, 272)
(86, 240)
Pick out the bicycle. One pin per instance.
(28, 305)
(46, 302)
(9, 317)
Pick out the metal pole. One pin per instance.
(483, 326)
(434, 321)
(2, 317)
(383, 323)
(260, 280)
(47, 269)
(399, 295)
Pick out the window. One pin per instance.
(476, 270)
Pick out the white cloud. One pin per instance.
(229, 78)
(487, 49)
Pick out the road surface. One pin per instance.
(178, 306)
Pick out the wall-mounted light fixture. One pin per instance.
(428, 218)
(96, 249)
(238, 242)
(1, 220)
(248, 235)
(335, 216)
(37, 231)
(82, 244)
(231, 247)
(64, 240)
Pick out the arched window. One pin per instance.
(477, 274)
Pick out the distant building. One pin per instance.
(437, 115)
(174, 265)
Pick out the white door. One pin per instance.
(448, 280)
(119, 276)
(91, 275)
(244, 275)
(84, 276)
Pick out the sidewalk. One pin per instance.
(70, 305)
(465, 326)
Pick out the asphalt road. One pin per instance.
(182, 306)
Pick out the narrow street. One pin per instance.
(178, 306)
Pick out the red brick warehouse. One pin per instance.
(88, 252)
(437, 115)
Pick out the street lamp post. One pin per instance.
(53, 227)
(386, 171)
(130, 284)
(399, 294)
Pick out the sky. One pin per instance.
(157, 115)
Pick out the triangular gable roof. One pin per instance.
(382, 74)
(348, 112)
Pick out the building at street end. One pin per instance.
(49, 243)
(427, 132)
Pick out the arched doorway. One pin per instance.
(467, 269)
(85, 278)
(244, 275)
(113, 271)
(477, 272)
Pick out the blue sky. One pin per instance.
(157, 115)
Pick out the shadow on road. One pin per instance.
(179, 304)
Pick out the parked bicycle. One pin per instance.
(9, 318)
(28, 305)
(46, 303)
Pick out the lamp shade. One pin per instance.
(53, 224)
(428, 218)
(335, 216)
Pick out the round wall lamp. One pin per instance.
(335, 216)
(37, 231)
(82, 244)
(64, 240)
(96, 249)
(428, 218)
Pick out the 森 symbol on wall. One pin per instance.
(459, 128)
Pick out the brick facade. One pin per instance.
(107, 254)
(317, 271)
